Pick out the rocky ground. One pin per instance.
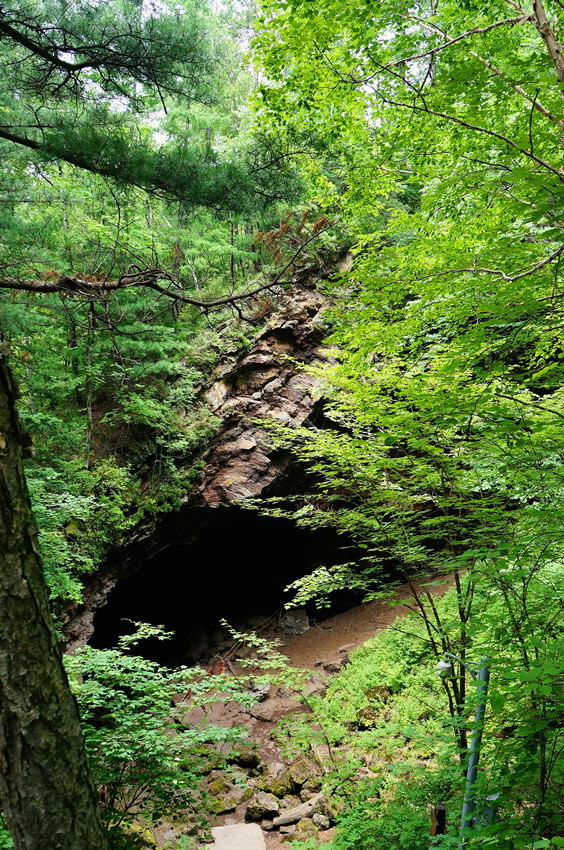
(284, 795)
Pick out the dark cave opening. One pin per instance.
(236, 568)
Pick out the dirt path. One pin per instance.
(331, 638)
(322, 649)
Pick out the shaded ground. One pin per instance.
(322, 650)
(330, 639)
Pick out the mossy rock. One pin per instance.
(312, 785)
(306, 829)
(281, 785)
(321, 821)
(305, 768)
(220, 785)
(379, 692)
(221, 805)
(140, 836)
(245, 756)
(287, 833)
(367, 717)
(239, 795)
(327, 807)
(247, 794)
(226, 795)
(265, 806)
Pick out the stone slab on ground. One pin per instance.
(239, 836)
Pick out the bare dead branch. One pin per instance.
(154, 278)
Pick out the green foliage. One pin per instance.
(372, 823)
(143, 757)
(6, 842)
(386, 714)
(95, 108)
(80, 513)
(110, 390)
(267, 657)
(442, 449)
(386, 710)
(127, 145)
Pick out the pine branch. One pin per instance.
(151, 277)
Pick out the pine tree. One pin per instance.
(79, 80)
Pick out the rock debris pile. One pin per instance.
(287, 798)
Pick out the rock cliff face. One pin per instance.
(265, 383)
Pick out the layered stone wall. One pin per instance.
(267, 382)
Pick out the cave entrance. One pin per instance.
(236, 567)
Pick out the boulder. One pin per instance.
(274, 769)
(263, 807)
(287, 832)
(321, 821)
(334, 666)
(305, 768)
(323, 806)
(305, 830)
(264, 712)
(293, 622)
(281, 785)
(310, 790)
(367, 717)
(259, 690)
(219, 784)
(379, 693)
(140, 837)
(226, 795)
(245, 755)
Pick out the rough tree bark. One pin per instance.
(46, 790)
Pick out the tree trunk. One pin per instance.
(88, 386)
(231, 254)
(46, 790)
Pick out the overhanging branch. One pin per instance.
(498, 274)
(155, 278)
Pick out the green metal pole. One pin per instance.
(475, 744)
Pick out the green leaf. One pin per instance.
(497, 701)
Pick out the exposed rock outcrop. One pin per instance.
(266, 382)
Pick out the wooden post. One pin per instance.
(438, 822)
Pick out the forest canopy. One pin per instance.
(444, 121)
(128, 163)
(149, 171)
